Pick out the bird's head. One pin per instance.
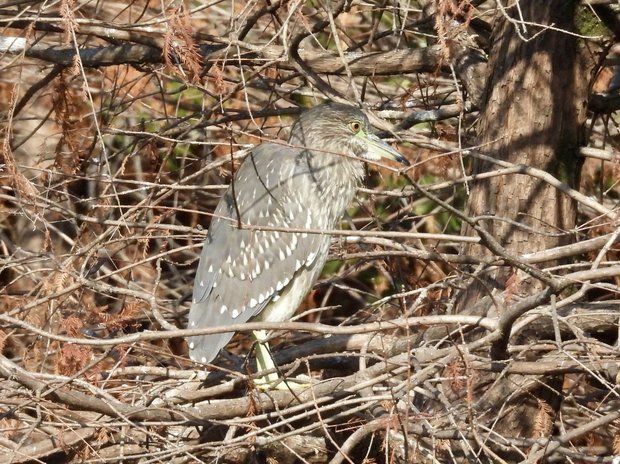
(341, 129)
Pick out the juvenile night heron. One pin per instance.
(249, 274)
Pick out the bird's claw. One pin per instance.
(301, 382)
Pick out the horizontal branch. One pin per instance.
(551, 180)
(82, 401)
(427, 59)
(148, 335)
(46, 447)
(89, 57)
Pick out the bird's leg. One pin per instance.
(264, 361)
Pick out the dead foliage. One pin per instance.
(119, 127)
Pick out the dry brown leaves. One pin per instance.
(179, 45)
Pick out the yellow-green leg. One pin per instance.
(264, 362)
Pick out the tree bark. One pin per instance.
(532, 113)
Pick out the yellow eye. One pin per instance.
(355, 127)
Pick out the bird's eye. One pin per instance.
(355, 126)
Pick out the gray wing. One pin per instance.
(242, 270)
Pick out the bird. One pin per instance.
(246, 273)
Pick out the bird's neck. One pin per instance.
(336, 179)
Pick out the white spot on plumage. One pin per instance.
(276, 234)
(203, 360)
(297, 264)
(280, 285)
(294, 241)
(281, 255)
(214, 284)
(193, 324)
(275, 298)
(230, 272)
(241, 276)
(261, 250)
(261, 298)
(234, 313)
(191, 346)
(228, 259)
(288, 251)
(223, 309)
(257, 268)
(245, 259)
(202, 283)
(242, 244)
(253, 303)
(267, 265)
(210, 268)
(311, 257)
(304, 235)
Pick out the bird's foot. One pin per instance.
(272, 380)
(268, 382)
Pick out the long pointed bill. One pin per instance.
(377, 148)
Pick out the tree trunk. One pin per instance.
(532, 113)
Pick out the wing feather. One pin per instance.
(242, 270)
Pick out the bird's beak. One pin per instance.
(377, 148)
